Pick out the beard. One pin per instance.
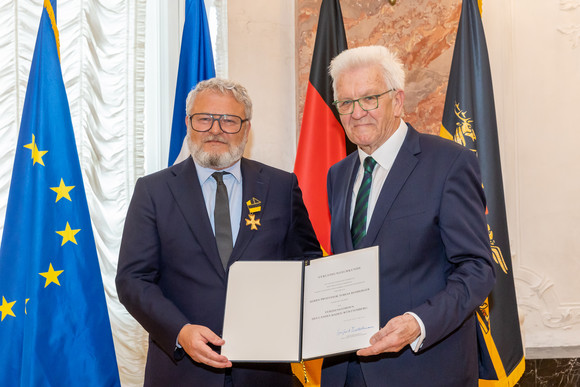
(216, 160)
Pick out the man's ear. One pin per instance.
(398, 103)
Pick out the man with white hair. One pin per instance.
(187, 224)
(420, 199)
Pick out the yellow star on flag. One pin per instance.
(6, 308)
(68, 234)
(36, 154)
(51, 276)
(62, 191)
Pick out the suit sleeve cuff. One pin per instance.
(418, 343)
(178, 352)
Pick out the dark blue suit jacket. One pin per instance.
(435, 259)
(170, 272)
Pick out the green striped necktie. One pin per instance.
(359, 219)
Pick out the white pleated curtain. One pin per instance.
(102, 57)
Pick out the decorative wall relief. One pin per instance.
(540, 304)
(569, 4)
(571, 30)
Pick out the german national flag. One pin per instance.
(469, 119)
(322, 142)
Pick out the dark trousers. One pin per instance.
(354, 375)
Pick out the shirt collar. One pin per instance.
(205, 173)
(386, 153)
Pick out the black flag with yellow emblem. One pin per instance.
(469, 119)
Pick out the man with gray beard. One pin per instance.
(184, 228)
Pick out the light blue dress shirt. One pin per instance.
(233, 182)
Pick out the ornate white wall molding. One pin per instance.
(540, 303)
(571, 30)
(569, 4)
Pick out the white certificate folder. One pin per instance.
(287, 311)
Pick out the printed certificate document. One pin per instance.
(287, 311)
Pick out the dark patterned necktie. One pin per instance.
(222, 222)
(358, 229)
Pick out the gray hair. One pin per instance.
(393, 72)
(221, 86)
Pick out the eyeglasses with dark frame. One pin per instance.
(366, 103)
(228, 123)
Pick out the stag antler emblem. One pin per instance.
(496, 251)
(464, 128)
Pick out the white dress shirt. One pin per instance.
(385, 157)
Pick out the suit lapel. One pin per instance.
(254, 185)
(351, 170)
(189, 197)
(402, 168)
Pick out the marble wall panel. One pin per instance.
(422, 32)
(551, 373)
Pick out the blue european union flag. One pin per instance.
(195, 65)
(54, 325)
